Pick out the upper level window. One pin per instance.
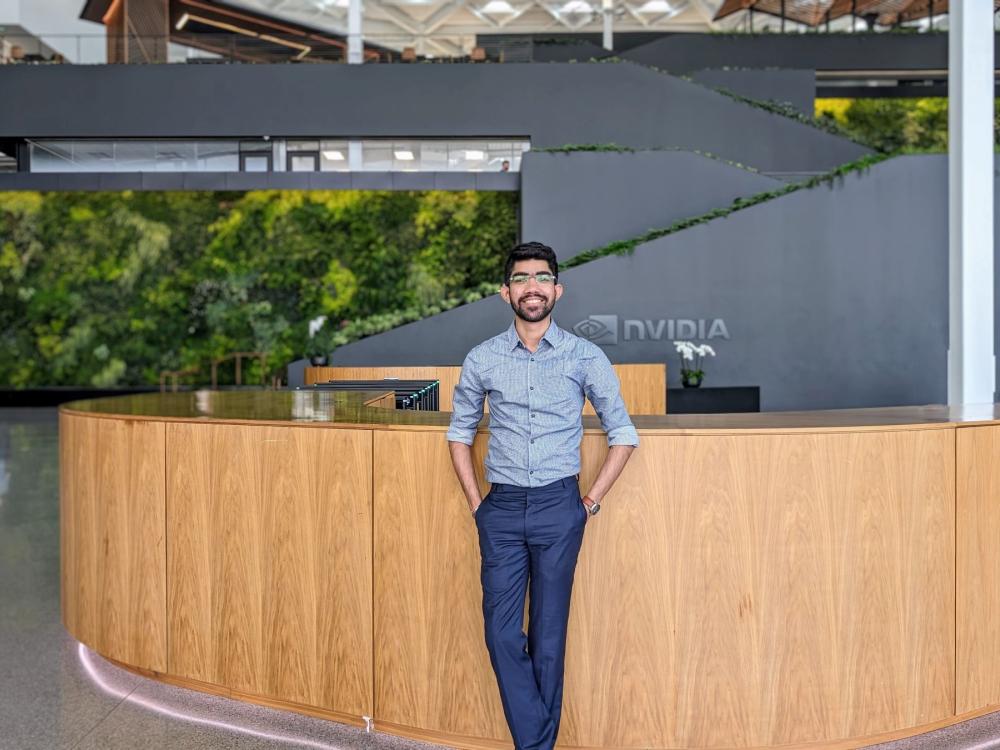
(134, 156)
(256, 156)
(279, 154)
(303, 156)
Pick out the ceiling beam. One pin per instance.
(518, 12)
(403, 20)
(483, 17)
(441, 15)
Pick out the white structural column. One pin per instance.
(607, 10)
(354, 41)
(355, 156)
(971, 368)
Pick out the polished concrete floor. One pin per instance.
(55, 694)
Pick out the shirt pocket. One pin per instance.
(559, 385)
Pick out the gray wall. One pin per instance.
(579, 200)
(686, 51)
(681, 53)
(581, 51)
(553, 104)
(834, 297)
(796, 87)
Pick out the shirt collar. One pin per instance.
(553, 334)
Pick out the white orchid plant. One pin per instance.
(694, 354)
(318, 345)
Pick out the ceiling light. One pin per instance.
(576, 6)
(333, 155)
(498, 7)
(655, 7)
(474, 154)
(182, 22)
(403, 155)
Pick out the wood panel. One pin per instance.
(269, 561)
(741, 591)
(751, 590)
(113, 556)
(643, 386)
(978, 564)
(432, 669)
(799, 585)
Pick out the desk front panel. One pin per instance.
(112, 548)
(735, 591)
(269, 561)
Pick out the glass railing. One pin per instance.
(278, 155)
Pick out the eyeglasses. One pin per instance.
(543, 277)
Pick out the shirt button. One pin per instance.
(531, 472)
(531, 387)
(532, 416)
(532, 359)
(532, 440)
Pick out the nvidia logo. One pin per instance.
(601, 329)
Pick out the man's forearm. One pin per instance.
(461, 459)
(614, 462)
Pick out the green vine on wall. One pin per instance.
(381, 322)
(627, 247)
(782, 109)
(359, 329)
(615, 148)
(786, 109)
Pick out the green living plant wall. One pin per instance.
(896, 125)
(111, 288)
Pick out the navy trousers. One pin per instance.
(529, 534)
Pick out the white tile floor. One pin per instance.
(55, 694)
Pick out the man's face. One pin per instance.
(531, 301)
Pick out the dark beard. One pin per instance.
(546, 309)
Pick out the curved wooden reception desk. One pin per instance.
(820, 579)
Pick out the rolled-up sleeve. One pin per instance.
(467, 404)
(602, 388)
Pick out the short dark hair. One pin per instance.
(530, 251)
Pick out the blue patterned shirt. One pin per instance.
(536, 400)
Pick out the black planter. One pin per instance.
(318, 360)
(691, 381)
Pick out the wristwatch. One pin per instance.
(594, 507)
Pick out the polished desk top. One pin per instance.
(350, 409)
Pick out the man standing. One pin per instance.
(531, 521)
